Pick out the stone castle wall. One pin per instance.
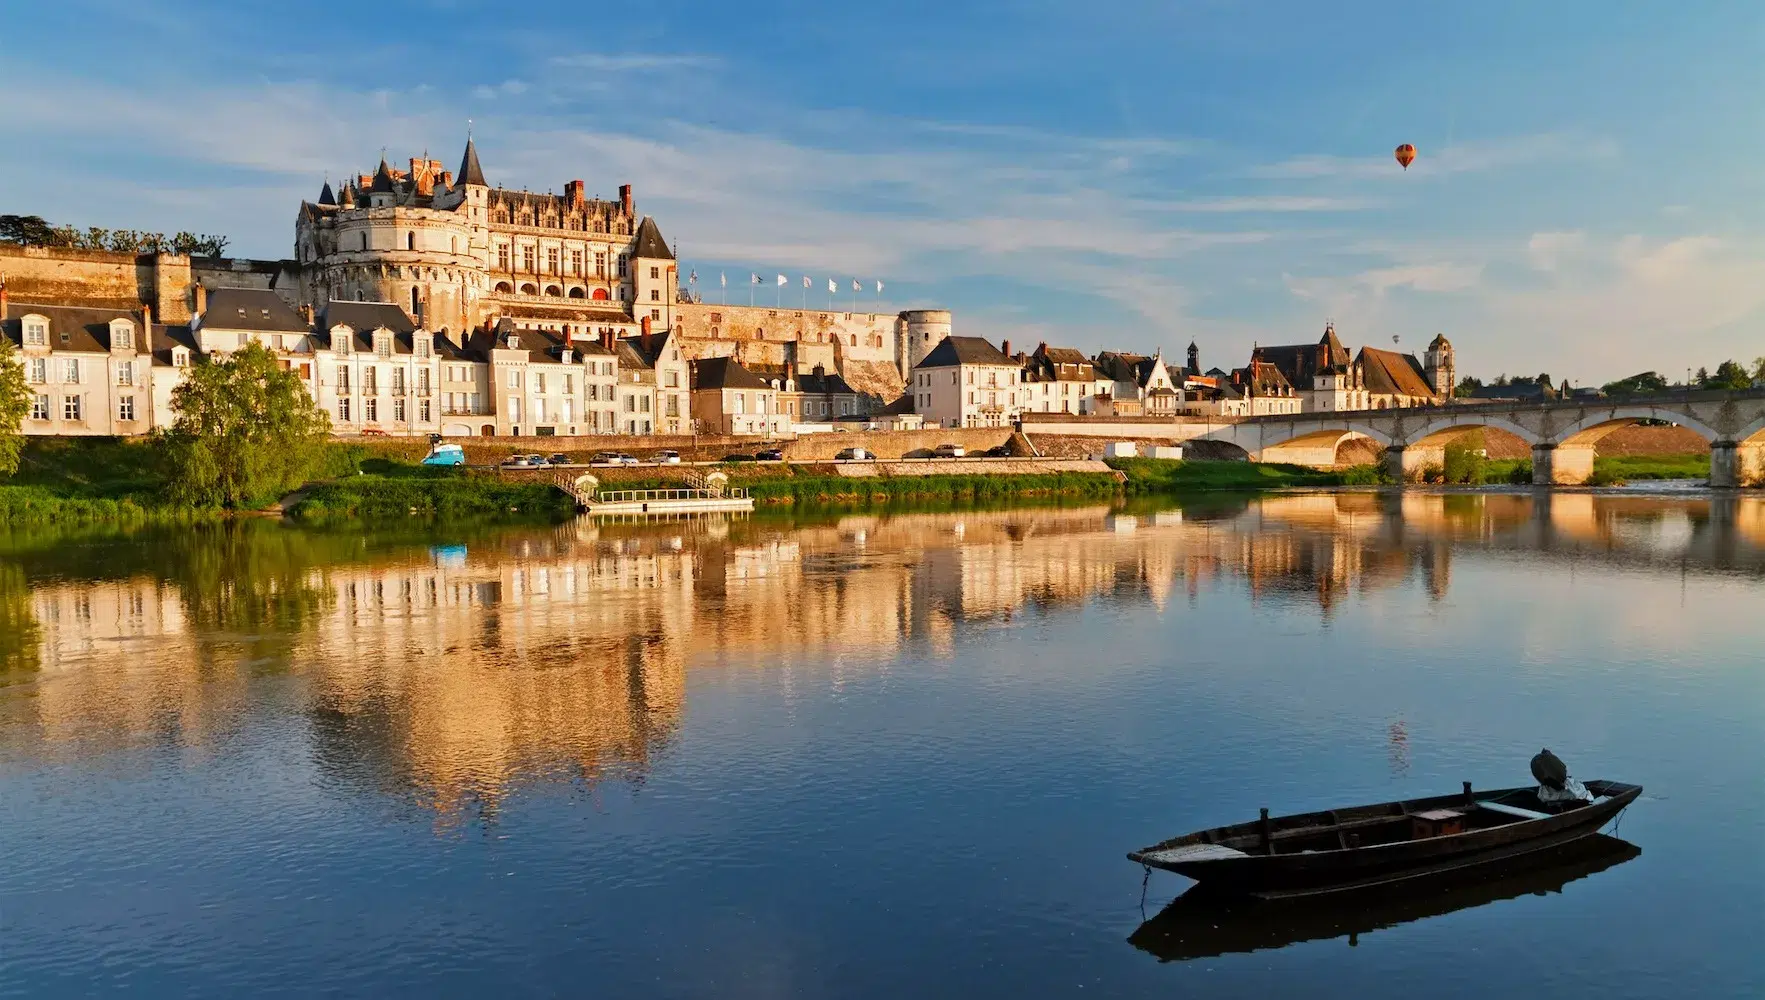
(105, 280)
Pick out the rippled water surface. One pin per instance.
(865, 756)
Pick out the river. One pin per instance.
(870, 755)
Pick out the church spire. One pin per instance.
(470, 171)
(325, 195)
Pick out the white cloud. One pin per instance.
(1547, 250)
(507, 88)
(630, 62)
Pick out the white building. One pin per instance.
(967, 382)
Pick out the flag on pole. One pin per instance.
(781, 280)
(832, 286)
(753, 279)
(693, 279)
(856, 286)
(879, 286)
(806, 282)
(723, 278)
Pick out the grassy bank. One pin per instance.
(430, 493)
(1158, 475)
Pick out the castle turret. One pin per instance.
(1194, 358)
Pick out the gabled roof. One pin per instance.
(364, 317)
(1062, 364)
(953, 350)
(1392, 374)
(650, 243)
(257, 309)
(71, 328)
(658, 344)
(632, 360)
(725, 373)
(470, 171)
(1120, 366)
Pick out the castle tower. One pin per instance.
(1437, 365)
(1194, 359)
(655, 279)
(918, 331)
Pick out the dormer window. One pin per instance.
(180, 358)
(340, 340)
(567, 355)
(420, 347)
(382, 344)
(514, 342)
(122, 335)
(36, 331)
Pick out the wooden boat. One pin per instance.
(1203, 924)
(1365, 846)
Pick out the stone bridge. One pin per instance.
(1563, 433)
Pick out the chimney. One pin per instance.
(423, 311)
(644, 339)
(447, 179)
(625, 198)
(1042, 348)
(306, 314)
(573, 194)
(201, 292)
(146, 318)
(1005, 348)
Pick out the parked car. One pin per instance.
(769, 455)
(605, 458)
(853, 455)
(559, 459)
(738, 457)
(625, 459)
(998, 451)
(371, 432)
(950, 451)
(667, 457)
(518, 462)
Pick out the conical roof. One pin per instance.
(470, 171)
(650, 242)
(382, 179)
(325, 195)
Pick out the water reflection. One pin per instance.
(1195, 925)
(450, 675)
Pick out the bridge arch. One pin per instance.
(1586, 430)
(1445, 424)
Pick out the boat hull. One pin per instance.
(1278, 875)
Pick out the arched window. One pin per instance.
(554, 291)
(600, 295)
(503, 288)
(415, 302)
(454, 243)
(529, 289)
(410, 241)
(576, 293)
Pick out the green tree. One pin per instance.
(246, 433)
(15, 402)
(1467, 385)
(1640, 384)
(1702, 377)
(1759, 367)
(1729, 375)
(30, 230)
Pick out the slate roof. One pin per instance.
(725, 373)
(632, 360)
(658, 344)
(71, 328)
(1392, 374)
(167, 337)
(1062, 364)
(650, 243)
(953, 350)
(826, 383)
(257, 309)
(1124, 367)
(470, 171)
(367, 316)
(382, 179)
(326, 197)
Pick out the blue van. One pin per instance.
(446, 454)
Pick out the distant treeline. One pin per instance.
(1729, 374)
(33, 231)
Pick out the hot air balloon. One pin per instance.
(1406, 155)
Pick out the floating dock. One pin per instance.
(702, 495)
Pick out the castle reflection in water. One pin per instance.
(563, 654)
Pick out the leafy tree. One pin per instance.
(246, 432)
(1729, 375)
(15, 402)
(1467, 385)
(1702, 377)
(29, 230)
(1543, 379)
(1642, 383)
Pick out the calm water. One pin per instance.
(870, 756)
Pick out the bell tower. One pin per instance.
(1437, 365)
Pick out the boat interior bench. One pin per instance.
(1513, 810)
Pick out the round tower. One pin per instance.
(920, 331)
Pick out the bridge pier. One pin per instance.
(1561, 464)
(1735, 464)
(1405, 463)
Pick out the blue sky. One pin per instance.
(1588, 199)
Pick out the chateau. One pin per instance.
(434, 281)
